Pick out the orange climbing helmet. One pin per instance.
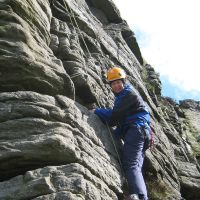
(115, 73)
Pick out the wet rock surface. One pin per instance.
(53, 59)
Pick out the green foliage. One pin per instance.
(28, 12)
(24, 10)
(149, 86)
(157, 189)
(192, 140)
(151, 80)
(192, 134)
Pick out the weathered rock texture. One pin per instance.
(53, 59)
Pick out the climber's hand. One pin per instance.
(92, 110)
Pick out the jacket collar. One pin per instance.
(127, 89)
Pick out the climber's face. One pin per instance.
(117, 86)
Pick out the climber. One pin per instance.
(132, 119)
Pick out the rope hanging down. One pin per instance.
(77, 74)
(75, 25)
(113, 141)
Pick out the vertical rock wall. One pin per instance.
(53, 59)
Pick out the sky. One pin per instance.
(168, 34)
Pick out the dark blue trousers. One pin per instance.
(132, 159)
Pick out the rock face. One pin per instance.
(53, 59)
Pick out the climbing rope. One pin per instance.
(75, 24)
(113, 141)
(72, 16)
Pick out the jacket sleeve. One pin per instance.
(104, 114)
(128, 104)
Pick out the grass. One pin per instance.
(157, 189)
(191, 136)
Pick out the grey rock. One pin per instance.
(56, 131)
(61, 196)
(192, 185)
(72, 181)
(191, 104)
(53, 60)
(109, 8)
(26, 53)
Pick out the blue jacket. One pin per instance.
(129, 108)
